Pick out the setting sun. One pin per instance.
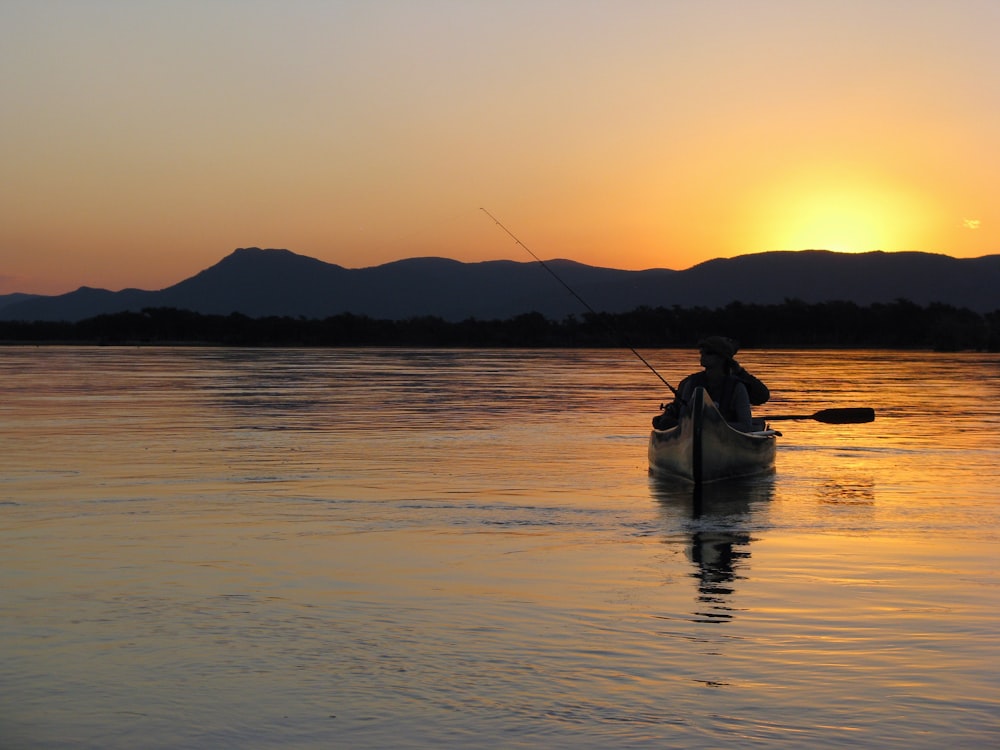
(847, 216)
(839, 222)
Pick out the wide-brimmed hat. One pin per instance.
(724, 347)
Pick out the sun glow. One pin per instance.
(842, 218)
(838, 222)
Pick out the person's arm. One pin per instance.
(672, 412)
(757, 392)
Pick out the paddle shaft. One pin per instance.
(846, 415)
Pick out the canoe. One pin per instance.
(703, 447)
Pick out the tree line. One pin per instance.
(792, 324)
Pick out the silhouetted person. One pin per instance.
(732, 388)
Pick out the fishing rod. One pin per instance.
(581, 300)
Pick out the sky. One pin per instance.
(143, 141)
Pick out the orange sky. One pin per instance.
(142, 142)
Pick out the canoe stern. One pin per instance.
(705, 448)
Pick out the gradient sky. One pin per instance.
(143, 141)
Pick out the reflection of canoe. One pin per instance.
(704, 448)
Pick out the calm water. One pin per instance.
(207, 548)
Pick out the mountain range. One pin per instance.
(260, 283)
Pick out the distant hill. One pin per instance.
(10, 299)
(260, 283)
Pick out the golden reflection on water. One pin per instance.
(849, 491)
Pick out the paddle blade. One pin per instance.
(849, 415)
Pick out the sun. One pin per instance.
(842, 221)
(842, 215)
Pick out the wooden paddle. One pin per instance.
(847, 415)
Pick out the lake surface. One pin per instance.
(384, 548)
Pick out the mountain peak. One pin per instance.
(251, 251)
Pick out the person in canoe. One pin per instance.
(731, 387)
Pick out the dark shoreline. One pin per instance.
(900, 325)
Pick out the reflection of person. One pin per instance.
(732, 388)
(719, 521)
(718, 554)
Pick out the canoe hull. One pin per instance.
(704, 448)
